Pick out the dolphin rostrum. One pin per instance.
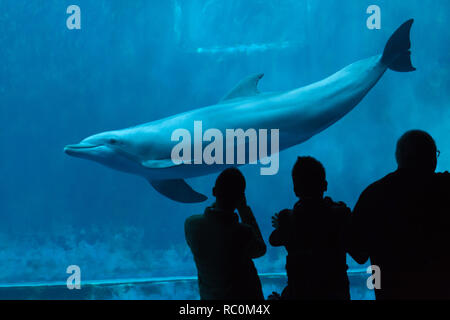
(145, 150)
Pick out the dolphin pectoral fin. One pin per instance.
(397, 54)
(245, 88)
(159, 164)
(177, 190)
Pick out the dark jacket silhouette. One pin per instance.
(223, 250)
(401, 223)
(316, 262)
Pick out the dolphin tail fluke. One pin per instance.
(177, 190)
(397, 55)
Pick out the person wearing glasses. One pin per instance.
(402, 223)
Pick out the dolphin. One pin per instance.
(299, 114)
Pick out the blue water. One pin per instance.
(141, 60)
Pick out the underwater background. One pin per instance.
(141, 60)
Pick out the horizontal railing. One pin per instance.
(131, 281)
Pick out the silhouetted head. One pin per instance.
(416, 150)
(229, 189)
(309, 178)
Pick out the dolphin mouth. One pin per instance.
(75, 149)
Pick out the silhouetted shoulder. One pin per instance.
(443, 177)
(379, 187)
(194, 219)
(337, 207)
(386, 180)
(285, 213)
(193, 224)
(442, 183)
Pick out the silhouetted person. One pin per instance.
(223, 247)
(313, 236)
(401, 223)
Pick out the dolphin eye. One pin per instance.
(112, 141)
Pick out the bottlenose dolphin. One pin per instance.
(145, 150)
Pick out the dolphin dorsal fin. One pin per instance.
(245, 88)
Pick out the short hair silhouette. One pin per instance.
(416, 149)
(230, 186)
(309, 177)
